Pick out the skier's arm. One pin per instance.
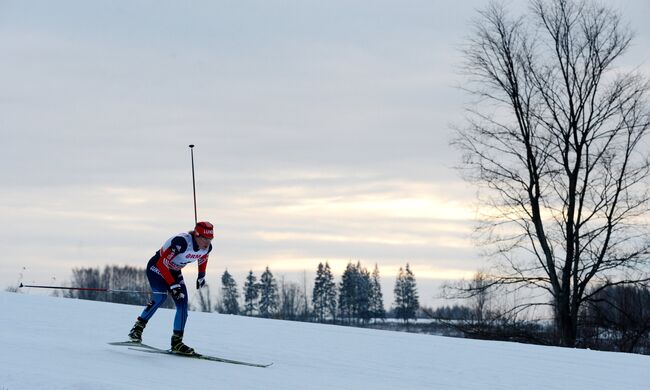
(178, 245)
(203, 265)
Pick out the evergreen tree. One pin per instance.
(406, 296)
(268, 294)
(347, 289)
(362, 295)
(329, 292)
(251, 294)
(324, 293)
(354, 293)
(230, 295)
(377, 310)
(317, 295)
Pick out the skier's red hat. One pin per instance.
(204, 229)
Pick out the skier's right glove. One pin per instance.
(176, 291)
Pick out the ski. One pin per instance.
(132, 344)
(199, 356)
(136, 346)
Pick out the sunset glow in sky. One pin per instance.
(322, 133)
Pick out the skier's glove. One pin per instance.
(176, 291)
(200, 282)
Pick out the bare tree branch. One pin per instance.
(558, 142)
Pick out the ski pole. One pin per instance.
(92, 289)
(193, 183)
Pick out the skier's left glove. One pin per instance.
(200, 281)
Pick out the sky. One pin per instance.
(322, 133)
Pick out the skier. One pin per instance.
(164, 274)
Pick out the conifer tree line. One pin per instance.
(356, 299)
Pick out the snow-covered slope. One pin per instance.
(55, 343)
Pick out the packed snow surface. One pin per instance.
(55, 343)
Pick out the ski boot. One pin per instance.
(135, 335)
(179, 347)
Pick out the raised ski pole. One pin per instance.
(193, 184)
(92, 289)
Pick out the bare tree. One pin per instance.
(481, 296)
(556, 142)
(205, 300)
(113, 277)
(292, 302)
(87, 277)
(618, 318)
(485, 317)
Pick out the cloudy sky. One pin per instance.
(322, 132)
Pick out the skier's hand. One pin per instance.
(200, 282)
(176, 291)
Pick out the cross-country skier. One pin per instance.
(164, 274)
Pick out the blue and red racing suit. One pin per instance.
(164, 270)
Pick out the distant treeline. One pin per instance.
(112, 277)
(618, 319)
(356, 299)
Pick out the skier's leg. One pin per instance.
(181, 310)
(179, 323)
(158, 285)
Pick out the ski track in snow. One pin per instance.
(55, 343)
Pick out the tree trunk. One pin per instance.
(566, 322)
